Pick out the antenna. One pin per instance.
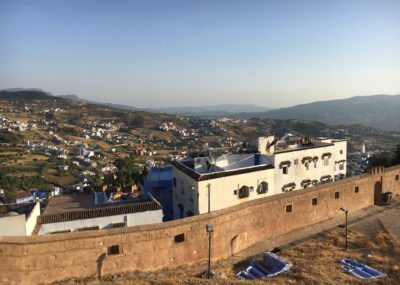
(213, 160)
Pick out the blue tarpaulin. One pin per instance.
(360, 269)
(270, 266)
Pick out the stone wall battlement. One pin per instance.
(39, 259)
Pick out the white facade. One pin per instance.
(18, 224)
(228, 186)
(31, 220)
(284, 165)
(12, 225)
(108, 222)
(305, 167)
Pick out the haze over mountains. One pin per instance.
(378, 111)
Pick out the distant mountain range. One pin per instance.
(222, 110)
(211, 111)
(378, 111)
(25, 94)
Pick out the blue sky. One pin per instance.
(179, 53)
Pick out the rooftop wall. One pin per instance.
(32, 218)
(12, 225)
(31, 260)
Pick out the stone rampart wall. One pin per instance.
(38, 259)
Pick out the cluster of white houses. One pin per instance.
(205, 183)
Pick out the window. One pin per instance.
(262, 188)
(119, 225)
(285, 169)
(60, 232)
(288, 187)
(341, 166)
(307, 165)
(244, 192)
(180, 207)
(356, 189)
(397, 177)
(179, 238)
(326, 161)
(341, 151)
(315, 164)
(174, 181)
(337, 195)
(114, 249)
(314, 201)
(296, 162)
(326, 179)
(88, 229)
(289, 208)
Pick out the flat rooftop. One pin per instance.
(227, 162)
(297, 147)
(206, 168)
(81, 206)
(25, 208)
(69, 203)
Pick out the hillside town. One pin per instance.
(199, 142)
(272, 165)
(53, 157)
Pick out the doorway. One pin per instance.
(378, 193)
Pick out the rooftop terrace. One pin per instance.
(205, 165)
(301, 146)
(75, 207)
(205, 168)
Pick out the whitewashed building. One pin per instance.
(82, 212)
(20, 221)
(203, 184)
(301, 162)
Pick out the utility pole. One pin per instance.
(210, 230)
(209, 197)
(346, 211)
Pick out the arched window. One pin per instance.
(262, 187)
(244, 192)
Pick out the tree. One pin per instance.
(97, 180)
(396, 155)
(128, 171)
(43, 170)
(137, 121)
(381, 159)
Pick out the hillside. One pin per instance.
(378, 111)
(41, 137)
(144, 124)
(25, 95)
